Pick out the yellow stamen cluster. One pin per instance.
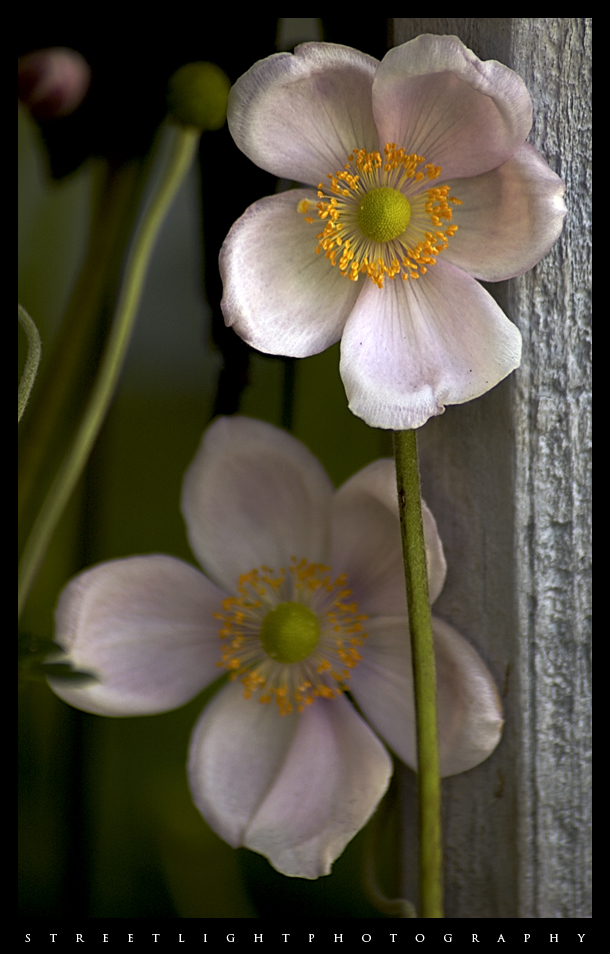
(410, 254)
(326, 670)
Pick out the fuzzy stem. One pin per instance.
(65, 381)
(424, 674)
(178, 164)
(31, 362)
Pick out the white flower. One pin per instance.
(390, 148)
(304, 596)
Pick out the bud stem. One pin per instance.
(178, 163)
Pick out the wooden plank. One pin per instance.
(507, 477)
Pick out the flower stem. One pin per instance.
(65, 381)
(177, 165)
(31, 363)
(382, 830)
(424, 674)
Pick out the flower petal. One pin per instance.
(333, 778)
(468, 708)
(433, 96)
(145, 627)
(294, 788)
(299, 116)
(413, 347)
(509, 218)
(254, 496)
(236, 751)
(367, 544)
(279, 296)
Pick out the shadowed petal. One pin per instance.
(468, 708)
(236, 751)
(294, 788)
(300, 115)
(509, 218)
(334, 775)
(436, 98)
(413, 347)
(367, 544)
(469, 711)
(279, 296)
(254, 496)
(145, 627)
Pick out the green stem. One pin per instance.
(64, 384)
(178, 164)
(31, 362)
(424, 674)
(382, 832)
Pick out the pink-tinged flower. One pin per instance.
(422, 183)
(303, 597)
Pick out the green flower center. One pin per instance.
(290, 632)
(291, 636)
(384, 214)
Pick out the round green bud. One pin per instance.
(383, 214)
(197, 95)
(290, 632)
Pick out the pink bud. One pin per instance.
(52, 83)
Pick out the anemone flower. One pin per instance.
(422, 183)
(302, 599)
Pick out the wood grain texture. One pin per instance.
(508, 479)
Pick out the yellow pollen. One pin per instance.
(291, 636)
(383, 218)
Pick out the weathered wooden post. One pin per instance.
(507, 478)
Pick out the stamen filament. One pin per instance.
(325, 671)
(408, 254)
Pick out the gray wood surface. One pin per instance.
(507, 477)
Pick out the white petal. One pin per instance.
(382, 685)
(254, 496)
(469, 711)
(145, 627)
(469, 714)
(236, 752)
(334, 775)
(299, 116)
(509, 218)
(294, 788)
(279, 296)
(436, 98)
(367, 544)
(413, 347)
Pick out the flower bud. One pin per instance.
(53, 83)
(197, 95)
